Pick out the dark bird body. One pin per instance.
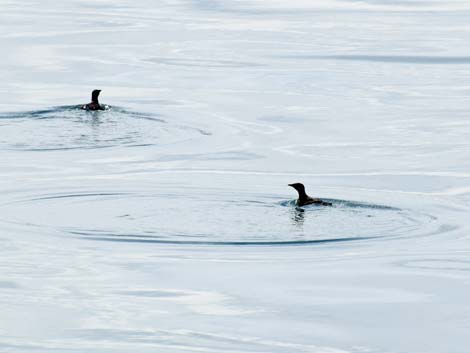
(94, 104)
(304, 199)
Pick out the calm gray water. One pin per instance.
(165, 224)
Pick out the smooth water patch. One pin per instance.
(202, 216)
(398, 59)
(69, 127)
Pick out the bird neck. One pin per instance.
(302, 195)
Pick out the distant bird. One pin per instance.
(304, 199)
(94, 104)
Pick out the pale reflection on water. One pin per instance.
(165, 223)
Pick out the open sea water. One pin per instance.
(165, 223)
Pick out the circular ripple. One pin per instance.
(69, 127)
(199, 217)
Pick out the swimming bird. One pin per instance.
(304, 199)
(94, 104)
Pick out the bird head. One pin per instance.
(299, 187)
(94, 95)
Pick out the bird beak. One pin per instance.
(290, 184)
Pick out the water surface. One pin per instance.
(166, 222)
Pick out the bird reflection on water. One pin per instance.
(298, 216)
